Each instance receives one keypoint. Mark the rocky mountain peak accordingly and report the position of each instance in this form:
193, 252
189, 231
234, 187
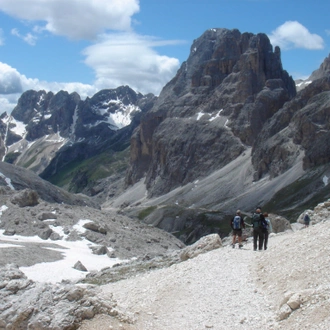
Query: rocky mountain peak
322, 71
30, 103
213, 108
46, 126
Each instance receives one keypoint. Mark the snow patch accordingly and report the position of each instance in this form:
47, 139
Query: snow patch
72, 251
7, 180
79, 226
199, 115
216, 115
19, 127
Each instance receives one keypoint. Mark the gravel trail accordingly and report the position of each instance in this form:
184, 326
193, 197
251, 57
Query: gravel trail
284, 287
216, 290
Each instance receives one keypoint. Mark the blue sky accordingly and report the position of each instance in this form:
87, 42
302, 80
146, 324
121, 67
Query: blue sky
86, 46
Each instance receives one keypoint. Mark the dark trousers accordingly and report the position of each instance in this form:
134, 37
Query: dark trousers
258, 235
266, 233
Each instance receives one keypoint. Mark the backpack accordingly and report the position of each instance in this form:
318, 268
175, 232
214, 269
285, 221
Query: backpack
237, 222
256, 220
267, 224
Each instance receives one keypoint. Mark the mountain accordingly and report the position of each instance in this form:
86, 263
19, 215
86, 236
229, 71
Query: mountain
322, 71
49, 133
211, 111
228, 131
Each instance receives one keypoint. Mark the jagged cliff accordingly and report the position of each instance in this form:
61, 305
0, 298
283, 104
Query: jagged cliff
211, 111
230, 131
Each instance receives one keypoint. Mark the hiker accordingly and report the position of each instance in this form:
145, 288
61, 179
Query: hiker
307, 220
267, 230
258, 223
237, 223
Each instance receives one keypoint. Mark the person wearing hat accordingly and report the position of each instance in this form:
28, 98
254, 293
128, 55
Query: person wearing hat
237, 224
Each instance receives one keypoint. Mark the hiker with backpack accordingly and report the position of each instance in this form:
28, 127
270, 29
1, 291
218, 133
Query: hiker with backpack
237, 223
267, 230
307, 220
259, 224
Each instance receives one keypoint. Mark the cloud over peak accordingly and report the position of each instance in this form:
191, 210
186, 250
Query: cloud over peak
292, 34
76, 19
139, 63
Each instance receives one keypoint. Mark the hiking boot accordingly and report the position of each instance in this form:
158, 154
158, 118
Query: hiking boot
233, 245
240, 246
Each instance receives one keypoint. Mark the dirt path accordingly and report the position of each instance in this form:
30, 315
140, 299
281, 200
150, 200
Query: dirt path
216, 290
232, 289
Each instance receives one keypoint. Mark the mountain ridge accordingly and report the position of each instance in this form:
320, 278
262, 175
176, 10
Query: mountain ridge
228, 132
230, 99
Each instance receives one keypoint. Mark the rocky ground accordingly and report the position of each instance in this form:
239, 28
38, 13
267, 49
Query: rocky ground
207, 285
123, 237
285, 287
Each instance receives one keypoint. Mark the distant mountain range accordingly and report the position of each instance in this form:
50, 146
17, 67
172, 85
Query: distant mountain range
230, 130
47, 132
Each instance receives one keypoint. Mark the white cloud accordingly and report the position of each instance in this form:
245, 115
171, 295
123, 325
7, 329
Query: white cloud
122, 58
28, 38
130, 59
292, 34
8, 102
10, 80
76, 19
13, 84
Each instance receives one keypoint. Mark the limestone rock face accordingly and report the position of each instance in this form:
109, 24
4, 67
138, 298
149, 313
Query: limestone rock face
322, 71
301, 126
215, 106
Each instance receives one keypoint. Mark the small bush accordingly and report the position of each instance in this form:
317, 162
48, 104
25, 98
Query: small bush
144, 213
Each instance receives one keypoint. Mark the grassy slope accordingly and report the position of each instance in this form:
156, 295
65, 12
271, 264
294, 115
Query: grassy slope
80, 174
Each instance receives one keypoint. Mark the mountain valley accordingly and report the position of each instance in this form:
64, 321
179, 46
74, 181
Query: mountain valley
143, 181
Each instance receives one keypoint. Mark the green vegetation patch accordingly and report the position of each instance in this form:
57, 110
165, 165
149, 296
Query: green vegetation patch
30, 161
144, 213
11, 157
80, 174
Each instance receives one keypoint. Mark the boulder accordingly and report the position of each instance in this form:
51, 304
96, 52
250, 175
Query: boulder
9, 232
99, 250
79, 266
46, 215
203, 245
95, 227
279, 224
26, 197
45, 234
